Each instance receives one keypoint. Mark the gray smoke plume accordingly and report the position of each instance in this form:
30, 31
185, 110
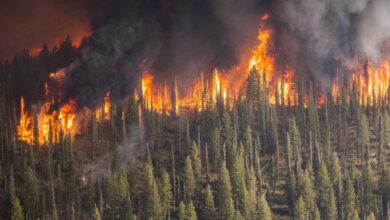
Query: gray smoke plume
318, 37
170, 38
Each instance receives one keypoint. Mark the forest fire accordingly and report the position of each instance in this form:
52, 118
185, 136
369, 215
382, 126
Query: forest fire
44, 127
371, 85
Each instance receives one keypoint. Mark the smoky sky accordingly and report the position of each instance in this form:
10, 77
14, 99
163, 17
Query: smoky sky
27, 24
182, 38
319, 38
170, 38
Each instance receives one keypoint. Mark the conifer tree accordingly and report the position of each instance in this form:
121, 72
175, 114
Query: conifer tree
295, 138
263, 212
132, 117
90, 195
308, 194
182, 211
191, 212
299, 209
189, 179
238, 182
225, 200
349, 203
368, 203
363, 135
288, 152
331, 210
96, 214
324, 189
215, 148
334, 170
153, 207
166, 193
31, 194
209, 207
196, 162
17, 210
291, 189
116, 158
227, 135
252, 191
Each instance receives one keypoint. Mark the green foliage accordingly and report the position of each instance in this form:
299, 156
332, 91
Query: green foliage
349, 200
225, 200
216, 147
189, 179
299, 209
182, 211
263, 212
116, 158
324, 189
308, 193
16, 210
191, 212
239, 186
209, 207
196, 162
153, 208
166, 192
368, 189
96, 214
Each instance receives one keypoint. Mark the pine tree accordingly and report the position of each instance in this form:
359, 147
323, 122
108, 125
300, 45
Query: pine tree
368, 189
252, 191
196, 162
324, 189
349, 200
299, 209
331, 210
263, 212
363, 135
225, 200
209, 207
334, 170
238, 182
291, 189
191, 212
90, 195
295, 138
132, 117
96, 214
152, 203
166, 192
17, 210
215, 148
116, 158
227, 135
182, 211
189, 179
288, 152
31, 193
308, 194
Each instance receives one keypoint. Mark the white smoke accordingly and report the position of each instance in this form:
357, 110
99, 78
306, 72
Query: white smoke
320, 37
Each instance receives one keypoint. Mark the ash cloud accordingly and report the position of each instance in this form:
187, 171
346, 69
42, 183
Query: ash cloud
319, 37
168, 37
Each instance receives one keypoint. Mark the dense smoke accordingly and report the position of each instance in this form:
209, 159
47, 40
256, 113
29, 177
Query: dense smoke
319, 37
167, 37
